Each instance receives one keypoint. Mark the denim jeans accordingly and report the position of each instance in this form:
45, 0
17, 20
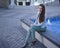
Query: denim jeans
32, 32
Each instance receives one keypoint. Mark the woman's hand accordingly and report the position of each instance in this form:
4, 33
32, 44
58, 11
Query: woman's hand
32, 24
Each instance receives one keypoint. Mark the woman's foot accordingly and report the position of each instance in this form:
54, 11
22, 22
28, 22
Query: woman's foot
25, 45
34, 42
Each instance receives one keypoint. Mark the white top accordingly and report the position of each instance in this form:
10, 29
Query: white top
37, 23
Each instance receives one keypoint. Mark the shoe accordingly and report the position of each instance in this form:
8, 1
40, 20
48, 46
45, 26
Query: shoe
34, 42
25, 45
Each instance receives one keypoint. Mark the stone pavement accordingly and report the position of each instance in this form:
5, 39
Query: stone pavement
12, 35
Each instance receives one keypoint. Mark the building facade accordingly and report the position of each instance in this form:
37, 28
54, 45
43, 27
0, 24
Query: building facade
6, 3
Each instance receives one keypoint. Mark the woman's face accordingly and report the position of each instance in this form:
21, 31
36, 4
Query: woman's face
39, 9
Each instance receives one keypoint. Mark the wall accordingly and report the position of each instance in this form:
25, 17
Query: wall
4, 3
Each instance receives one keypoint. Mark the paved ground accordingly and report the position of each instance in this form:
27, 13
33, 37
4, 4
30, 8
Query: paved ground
12, 34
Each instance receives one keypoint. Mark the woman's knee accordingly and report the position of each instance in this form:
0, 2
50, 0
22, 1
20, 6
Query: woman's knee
33, 27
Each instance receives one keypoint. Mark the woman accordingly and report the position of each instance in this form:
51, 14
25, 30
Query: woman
39, 25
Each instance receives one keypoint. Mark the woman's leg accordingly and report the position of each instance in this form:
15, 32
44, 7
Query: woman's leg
33, 29
28, 35
36, 28
27, 38
31, 32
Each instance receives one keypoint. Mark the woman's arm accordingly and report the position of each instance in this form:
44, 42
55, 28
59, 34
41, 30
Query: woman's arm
36, 21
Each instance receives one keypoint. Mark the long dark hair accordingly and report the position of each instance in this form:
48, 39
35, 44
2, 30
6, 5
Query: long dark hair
42, 14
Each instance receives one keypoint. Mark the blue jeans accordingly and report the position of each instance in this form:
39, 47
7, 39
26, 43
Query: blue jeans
32, 32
